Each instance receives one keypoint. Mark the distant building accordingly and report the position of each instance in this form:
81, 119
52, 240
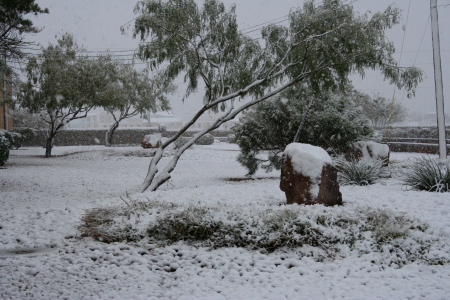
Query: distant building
104, 120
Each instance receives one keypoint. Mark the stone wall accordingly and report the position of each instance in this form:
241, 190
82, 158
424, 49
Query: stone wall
88, 137
414, 132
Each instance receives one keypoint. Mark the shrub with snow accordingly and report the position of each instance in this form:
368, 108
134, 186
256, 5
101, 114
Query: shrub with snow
207, 139
428, 174
316, 231
331, 122
231, 138
5, 145
8, 140
179, 142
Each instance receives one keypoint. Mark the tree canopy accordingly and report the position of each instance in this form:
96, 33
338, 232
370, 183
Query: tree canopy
322, 45
14, 24
380, 111
63, 85
135, 94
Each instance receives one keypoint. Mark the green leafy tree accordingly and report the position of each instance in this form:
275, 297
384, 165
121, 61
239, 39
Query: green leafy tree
380, 111
322, 45
63, 85
329, 121
135, 93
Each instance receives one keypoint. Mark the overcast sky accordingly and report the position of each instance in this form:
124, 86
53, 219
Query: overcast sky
96, 25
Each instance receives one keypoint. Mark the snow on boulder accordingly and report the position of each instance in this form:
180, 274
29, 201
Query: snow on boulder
151, 140
308, 176
368, 150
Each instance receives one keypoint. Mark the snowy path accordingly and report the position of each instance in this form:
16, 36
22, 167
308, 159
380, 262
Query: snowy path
41, 257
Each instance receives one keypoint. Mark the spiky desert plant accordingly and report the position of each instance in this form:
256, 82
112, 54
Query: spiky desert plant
359, 172
428, 174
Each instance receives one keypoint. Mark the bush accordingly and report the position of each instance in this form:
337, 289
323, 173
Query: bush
179, 142
8, 140
427, 174
207, 139
323, 231
231, 138
26, 133
359, 172
5, 145
333, 122
16, 140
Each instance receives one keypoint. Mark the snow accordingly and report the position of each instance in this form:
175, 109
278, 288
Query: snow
309, 161
152, 139
378, 150
42, 255
306, 159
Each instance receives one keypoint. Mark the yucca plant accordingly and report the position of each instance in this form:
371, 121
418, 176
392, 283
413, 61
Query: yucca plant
359, 172
428, 174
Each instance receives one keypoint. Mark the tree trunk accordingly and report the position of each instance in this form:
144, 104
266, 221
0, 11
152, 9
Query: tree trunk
49, 145
110, 133
305, 116
153, 180
154, 183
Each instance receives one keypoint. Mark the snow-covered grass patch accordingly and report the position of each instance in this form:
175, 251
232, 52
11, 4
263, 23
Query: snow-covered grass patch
319, 232
428, 174
360, 172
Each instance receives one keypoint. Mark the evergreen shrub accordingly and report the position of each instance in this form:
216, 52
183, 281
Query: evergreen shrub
207, 139
26, 133
8, 140
332, 122
5, 145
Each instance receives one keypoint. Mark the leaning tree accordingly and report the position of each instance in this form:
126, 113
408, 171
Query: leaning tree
320, 48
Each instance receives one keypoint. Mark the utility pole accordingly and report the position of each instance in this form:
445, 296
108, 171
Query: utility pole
438, 80
4, 91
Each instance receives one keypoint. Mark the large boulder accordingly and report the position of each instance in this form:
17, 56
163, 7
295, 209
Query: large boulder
368, 150
151, 140
308, 176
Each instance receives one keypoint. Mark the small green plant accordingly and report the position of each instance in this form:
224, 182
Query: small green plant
359, 172
428, 174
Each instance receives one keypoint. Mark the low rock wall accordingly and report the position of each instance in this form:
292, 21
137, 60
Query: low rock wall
415, 147
97, 137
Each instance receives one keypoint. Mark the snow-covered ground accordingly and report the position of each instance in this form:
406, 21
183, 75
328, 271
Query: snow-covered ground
42, 257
